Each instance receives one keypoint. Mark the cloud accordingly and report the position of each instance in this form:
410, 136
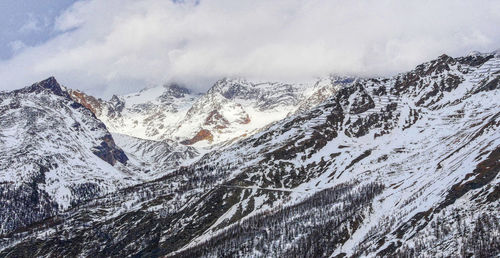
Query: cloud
16, 45
31, 25
118, 46
34, 24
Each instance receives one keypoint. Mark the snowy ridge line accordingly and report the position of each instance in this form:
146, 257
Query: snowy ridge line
231, 109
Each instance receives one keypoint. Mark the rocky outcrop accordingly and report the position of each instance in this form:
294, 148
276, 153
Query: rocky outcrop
109, 152
175, 91
202, 135
216, 120
90, 102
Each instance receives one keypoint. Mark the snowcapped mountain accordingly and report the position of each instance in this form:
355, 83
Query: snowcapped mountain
236, 108
409, 165
54, 154
402, 166
147, 114
231, 109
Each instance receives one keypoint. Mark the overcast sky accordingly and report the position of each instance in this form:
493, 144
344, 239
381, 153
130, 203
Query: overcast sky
118, 46
27, 22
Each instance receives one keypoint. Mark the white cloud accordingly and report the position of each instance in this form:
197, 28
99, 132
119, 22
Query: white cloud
122, 45
16, 45
31, 25
34, 24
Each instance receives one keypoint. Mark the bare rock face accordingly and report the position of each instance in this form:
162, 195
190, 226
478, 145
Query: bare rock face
475, 59
175, 91
109, 152
90, 102
355, 99
216, 120
202, 135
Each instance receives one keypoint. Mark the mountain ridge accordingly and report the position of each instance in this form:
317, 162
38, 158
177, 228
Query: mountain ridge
230, 109
398, 166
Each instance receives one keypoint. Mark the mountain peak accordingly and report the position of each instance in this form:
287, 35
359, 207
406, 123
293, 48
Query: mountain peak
445, 58
176, 90
114, 98
228, 87
49, 84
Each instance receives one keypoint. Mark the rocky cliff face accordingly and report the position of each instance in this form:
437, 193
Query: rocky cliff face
400, 166
87, 101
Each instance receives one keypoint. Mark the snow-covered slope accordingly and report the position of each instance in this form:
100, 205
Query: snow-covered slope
403, 166
425, 143
158, 157
232, 108
237, 108
147, 114
54, 153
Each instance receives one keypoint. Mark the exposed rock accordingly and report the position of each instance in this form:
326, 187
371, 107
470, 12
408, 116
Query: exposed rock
474, 59
109, 152
202, 135
174, 91
87, 101
216, 120
50, 84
